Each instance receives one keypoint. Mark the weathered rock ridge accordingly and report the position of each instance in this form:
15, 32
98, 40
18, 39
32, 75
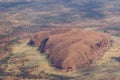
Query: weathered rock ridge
71, 48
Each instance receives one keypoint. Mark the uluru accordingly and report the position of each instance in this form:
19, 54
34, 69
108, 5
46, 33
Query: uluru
71, 48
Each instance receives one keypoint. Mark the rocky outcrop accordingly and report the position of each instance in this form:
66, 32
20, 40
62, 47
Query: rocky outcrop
71, 48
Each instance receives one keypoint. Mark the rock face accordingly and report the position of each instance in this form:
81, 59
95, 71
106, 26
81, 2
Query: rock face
71, 48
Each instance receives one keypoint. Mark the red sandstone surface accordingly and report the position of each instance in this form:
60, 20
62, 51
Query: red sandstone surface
71, 48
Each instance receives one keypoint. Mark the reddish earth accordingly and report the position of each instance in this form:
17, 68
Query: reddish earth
71, 48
